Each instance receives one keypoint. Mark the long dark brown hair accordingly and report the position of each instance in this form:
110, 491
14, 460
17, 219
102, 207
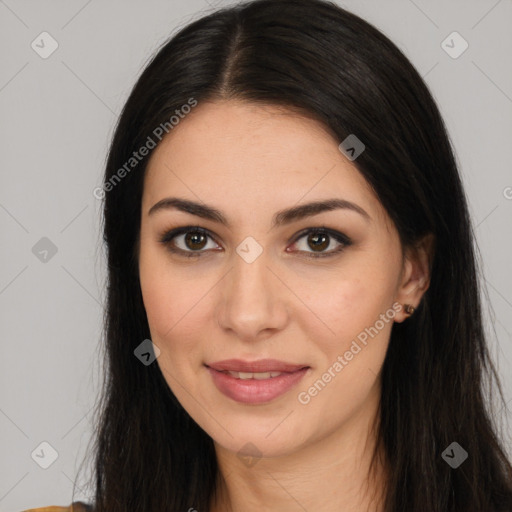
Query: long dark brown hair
316, 58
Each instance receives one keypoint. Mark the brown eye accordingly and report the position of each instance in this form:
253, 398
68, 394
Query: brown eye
188, 241
192, 241
195, 240
319, 239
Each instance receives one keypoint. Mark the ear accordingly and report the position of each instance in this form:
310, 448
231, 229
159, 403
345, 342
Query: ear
415, 275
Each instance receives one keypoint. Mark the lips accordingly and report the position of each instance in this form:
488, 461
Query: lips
255, 382
261, 366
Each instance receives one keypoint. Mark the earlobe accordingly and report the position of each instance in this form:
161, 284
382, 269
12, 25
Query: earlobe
409, 309
416, 276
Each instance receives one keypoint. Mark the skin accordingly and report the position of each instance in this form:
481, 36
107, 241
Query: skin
251, 161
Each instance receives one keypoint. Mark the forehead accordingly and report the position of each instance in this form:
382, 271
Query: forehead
253, 154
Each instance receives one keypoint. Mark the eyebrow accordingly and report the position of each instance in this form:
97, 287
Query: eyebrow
282, 217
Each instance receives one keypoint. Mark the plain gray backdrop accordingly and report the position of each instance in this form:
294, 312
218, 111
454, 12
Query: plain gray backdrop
58, 112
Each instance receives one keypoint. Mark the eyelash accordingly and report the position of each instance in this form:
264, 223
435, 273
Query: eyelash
168, 236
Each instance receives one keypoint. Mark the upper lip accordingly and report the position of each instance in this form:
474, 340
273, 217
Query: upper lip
262, 365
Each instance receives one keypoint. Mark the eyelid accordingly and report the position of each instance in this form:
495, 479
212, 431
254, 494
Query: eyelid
167, 237
342, 239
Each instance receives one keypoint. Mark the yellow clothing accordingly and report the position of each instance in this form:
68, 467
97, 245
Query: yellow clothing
76, 506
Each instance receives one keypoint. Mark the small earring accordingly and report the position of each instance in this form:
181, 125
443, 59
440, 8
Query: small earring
409, 309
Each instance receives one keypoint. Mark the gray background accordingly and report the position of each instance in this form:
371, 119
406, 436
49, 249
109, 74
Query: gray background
57, 116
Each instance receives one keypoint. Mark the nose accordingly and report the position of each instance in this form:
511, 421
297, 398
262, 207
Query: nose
253, 302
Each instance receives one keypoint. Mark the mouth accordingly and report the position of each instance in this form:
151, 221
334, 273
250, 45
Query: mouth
261, 366
252, 375
255, 382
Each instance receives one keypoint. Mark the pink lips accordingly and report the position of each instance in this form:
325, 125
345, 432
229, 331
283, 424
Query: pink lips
255, 391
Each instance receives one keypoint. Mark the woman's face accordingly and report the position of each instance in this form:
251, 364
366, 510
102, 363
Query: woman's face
252, 288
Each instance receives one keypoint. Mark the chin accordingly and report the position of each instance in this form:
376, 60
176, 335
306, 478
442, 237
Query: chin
258, 446
250, 436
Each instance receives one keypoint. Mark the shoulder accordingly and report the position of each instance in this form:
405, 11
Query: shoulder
76, 506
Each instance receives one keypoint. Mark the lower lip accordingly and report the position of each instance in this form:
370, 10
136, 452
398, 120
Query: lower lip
253, 391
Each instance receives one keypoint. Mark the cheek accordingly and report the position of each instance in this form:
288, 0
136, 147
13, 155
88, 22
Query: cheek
343, 306
350, 351
155, 294
175, 304
160, 290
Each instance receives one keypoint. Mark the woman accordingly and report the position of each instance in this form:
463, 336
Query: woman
293, 317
